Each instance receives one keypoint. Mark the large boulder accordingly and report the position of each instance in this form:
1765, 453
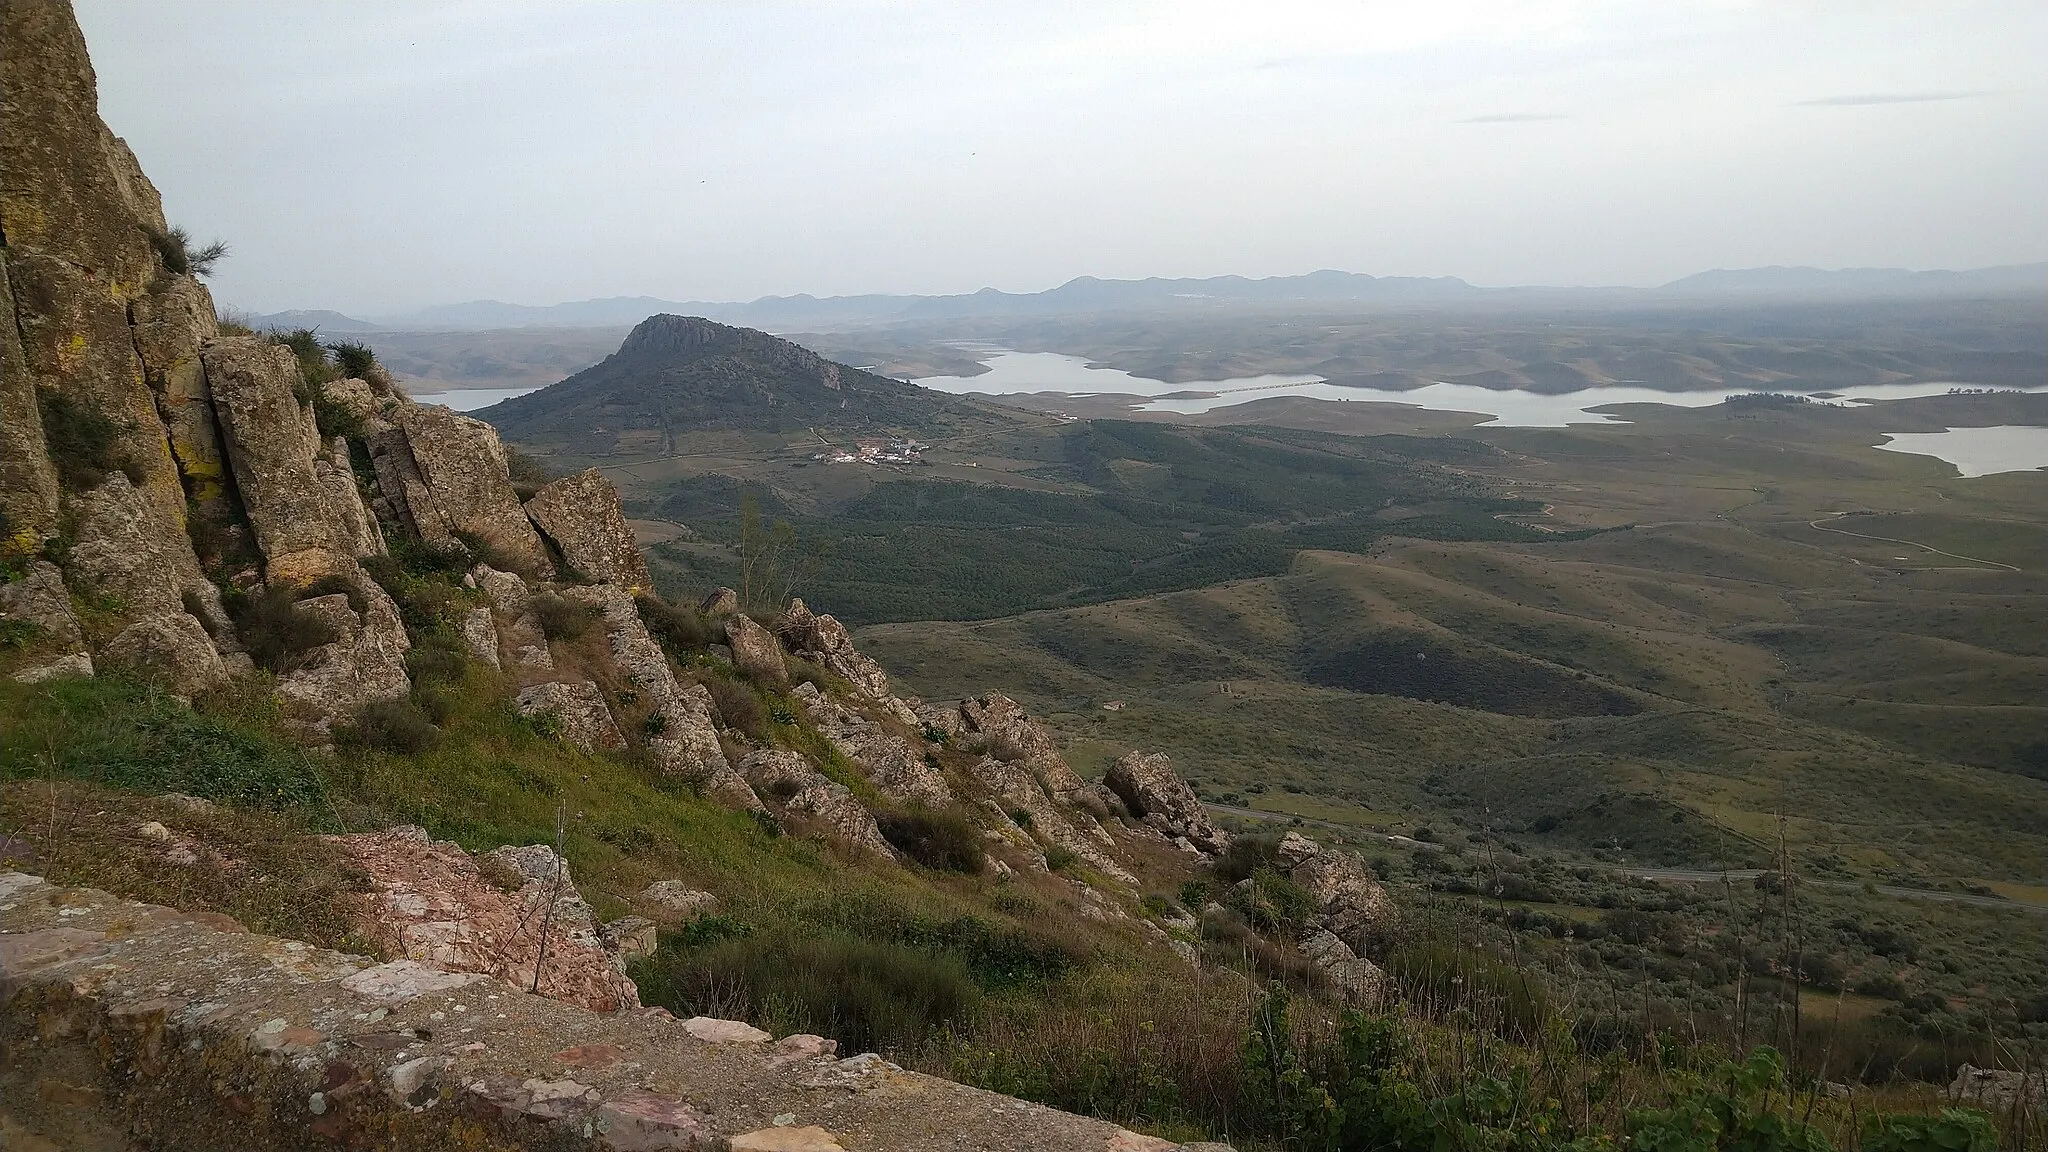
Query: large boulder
581, 514
800, 790
755, 651
1016, 789
272, 445
824, 640
1155, 793
463, 478
171, 647
39, 600
578, 710
1359, 980
1350, 903
524, 923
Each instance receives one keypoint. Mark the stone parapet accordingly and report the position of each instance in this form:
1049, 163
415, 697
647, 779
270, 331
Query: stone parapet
127, 1025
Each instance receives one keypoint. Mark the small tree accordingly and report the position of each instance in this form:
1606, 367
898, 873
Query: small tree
175, 248
774, 560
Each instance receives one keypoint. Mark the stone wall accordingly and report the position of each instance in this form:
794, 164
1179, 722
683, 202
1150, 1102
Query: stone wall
129, 1026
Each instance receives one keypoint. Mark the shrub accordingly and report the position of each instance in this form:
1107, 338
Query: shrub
276, 633
528, 474
1954, 1130
870, 995
354, 359
314, 367
174, 248
84, 443
560, 617
437, 657
1442, 978
333, 418
394, 726
739, 707
681, 629
946, 841
1058, 859
1246, 855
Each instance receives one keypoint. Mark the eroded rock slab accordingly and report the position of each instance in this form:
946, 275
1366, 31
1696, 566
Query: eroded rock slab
1156, 794
581, 514
578, 709
824, 640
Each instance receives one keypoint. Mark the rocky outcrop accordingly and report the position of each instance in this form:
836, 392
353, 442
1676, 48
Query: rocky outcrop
525, 644
1350, 903
721, 602
39, 600
2000, 1092
171, 324
1153, 792
480, 635
272, 445
755, 651
683, 741
170, 647
578, 711
675, 901
365, 663
429, 901
581, 515
824, 641
1358, 980
896, 766
139, 1026
462, 483
28, 479
788, 780
1015, 788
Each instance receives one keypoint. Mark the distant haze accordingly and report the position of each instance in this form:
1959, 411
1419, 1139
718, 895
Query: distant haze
374, 157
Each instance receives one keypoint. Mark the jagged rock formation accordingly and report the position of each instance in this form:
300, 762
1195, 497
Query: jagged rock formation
897, 769
824, 641
1350, 904
1151, 791
526, 647
581, 514
755, 650
788, 780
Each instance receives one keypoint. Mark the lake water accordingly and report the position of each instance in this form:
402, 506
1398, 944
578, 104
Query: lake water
471, 399
1978, 451
1013, 373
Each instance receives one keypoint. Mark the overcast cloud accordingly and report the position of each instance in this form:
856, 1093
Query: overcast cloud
373, 156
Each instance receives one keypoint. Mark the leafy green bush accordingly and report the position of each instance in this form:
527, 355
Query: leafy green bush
944, 840
1954, 1130
1728, 1108
84, 443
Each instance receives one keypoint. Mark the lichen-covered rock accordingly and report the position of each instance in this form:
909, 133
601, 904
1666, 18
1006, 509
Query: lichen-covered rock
824, 640
630, 937
755, 651
355, 526
1349, 902
404, 495
721, 602
1015, 787
789, 780
428, 901
480, 636
462, 465
39, 599
77, 665
578, 708
272, 445
171, 323
170, 646
684, 741
524, 641
28, 478
1007, 731
366, 663
896, 766
121, 548
581, 514
1295, 850
1359, 980
1156, 794
352, 396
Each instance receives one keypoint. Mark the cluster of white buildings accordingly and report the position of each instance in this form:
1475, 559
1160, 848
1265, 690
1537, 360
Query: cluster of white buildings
876, 452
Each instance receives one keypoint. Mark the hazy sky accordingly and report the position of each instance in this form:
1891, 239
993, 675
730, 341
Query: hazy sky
373, 156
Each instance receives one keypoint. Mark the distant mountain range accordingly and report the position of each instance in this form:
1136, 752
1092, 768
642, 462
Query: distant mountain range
1089, 294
